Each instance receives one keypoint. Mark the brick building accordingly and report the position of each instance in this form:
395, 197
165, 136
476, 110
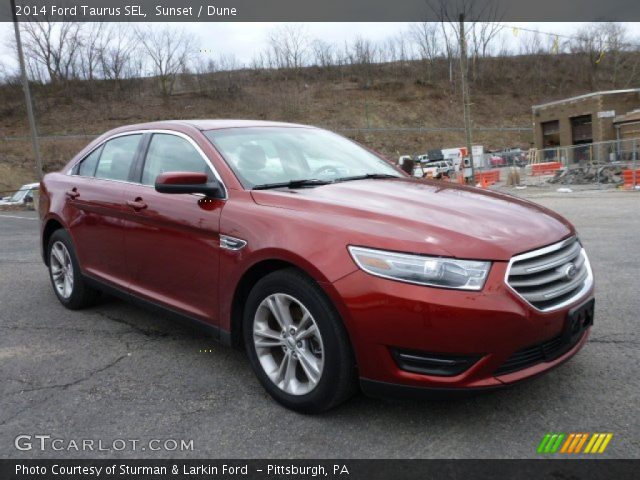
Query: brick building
627, 125
583, 119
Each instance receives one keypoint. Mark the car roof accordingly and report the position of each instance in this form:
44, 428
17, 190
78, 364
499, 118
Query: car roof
30, 186
213, 124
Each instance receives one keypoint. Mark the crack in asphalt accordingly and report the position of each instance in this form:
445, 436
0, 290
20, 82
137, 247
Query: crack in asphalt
13, 379
147, 332
63, 329
25, 409
64, 386
606, 340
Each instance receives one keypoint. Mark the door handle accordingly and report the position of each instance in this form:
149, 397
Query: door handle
73, 193
137, 204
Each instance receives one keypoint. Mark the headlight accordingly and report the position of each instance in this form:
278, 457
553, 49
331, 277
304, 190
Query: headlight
433, 271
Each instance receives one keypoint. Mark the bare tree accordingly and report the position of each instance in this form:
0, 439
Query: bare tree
362, 54
228, 62
169, 51
362, 51
451, 47
394, 49
116, 53
482, 35
530, 44
51, 47
534, 56
8, 76
403, 47
258, 61
589, 44
91, 44
619, 54
606, 47
426, 36
288, 46
323, 53
479, 35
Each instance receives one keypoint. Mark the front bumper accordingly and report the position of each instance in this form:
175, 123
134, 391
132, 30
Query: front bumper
492, 325
375, 388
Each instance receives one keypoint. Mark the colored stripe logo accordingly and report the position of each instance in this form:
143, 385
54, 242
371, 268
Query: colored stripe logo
573, 443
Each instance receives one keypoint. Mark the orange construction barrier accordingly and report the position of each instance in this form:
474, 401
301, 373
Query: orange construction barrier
629, 179
487, 178
545, 168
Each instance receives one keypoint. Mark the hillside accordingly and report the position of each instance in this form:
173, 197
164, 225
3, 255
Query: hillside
340, 98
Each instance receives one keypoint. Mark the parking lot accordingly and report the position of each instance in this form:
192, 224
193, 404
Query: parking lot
116, 371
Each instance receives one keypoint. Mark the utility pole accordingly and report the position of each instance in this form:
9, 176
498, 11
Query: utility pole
27, 93
466, 101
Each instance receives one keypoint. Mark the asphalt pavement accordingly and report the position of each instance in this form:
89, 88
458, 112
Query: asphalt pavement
116, 374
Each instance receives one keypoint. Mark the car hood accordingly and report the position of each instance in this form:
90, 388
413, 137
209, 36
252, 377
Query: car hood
427, 217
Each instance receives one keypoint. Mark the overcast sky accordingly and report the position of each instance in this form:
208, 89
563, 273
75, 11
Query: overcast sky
244, 40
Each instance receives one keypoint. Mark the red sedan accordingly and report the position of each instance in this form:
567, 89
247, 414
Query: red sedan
332, 268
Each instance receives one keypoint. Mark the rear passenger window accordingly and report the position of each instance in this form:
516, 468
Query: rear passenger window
88, 165
170, 153
117, 157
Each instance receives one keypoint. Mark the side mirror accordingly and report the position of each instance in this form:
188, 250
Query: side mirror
187, 182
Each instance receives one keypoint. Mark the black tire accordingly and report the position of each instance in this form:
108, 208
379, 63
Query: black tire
338, 380
82, 295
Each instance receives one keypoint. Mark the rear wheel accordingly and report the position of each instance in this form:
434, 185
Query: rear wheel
64, 271
297, 344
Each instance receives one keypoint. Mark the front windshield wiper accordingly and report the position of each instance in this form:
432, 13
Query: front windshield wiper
366, 176
312, 182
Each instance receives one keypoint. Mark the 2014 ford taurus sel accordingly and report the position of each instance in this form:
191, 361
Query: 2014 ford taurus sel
327, 264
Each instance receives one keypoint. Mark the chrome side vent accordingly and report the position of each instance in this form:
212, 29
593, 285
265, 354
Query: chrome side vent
232, 243
551, 277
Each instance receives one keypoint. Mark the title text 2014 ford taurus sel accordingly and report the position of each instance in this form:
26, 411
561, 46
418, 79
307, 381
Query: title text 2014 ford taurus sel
325, 262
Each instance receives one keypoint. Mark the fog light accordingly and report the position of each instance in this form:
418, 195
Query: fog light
432, 363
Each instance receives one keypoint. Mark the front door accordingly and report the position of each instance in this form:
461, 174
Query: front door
172, 240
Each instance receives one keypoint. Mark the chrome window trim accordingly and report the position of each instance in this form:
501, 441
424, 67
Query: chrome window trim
588, 282
70, 170
138, 132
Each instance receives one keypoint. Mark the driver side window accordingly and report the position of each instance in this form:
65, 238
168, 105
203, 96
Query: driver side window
170, 153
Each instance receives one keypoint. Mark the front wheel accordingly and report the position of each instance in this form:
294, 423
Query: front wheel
297, 344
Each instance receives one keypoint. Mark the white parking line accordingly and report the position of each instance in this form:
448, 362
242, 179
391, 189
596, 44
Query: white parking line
16, 216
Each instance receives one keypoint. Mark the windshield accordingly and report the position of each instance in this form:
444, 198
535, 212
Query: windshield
274, 155
19, 195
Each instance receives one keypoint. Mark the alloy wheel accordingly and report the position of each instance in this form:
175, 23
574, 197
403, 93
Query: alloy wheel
61, 269
288, 344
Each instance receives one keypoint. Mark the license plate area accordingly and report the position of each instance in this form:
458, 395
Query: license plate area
578, 320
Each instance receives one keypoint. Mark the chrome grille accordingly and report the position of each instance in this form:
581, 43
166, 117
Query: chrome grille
551, 277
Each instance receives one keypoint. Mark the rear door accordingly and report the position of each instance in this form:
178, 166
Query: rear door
172, 242
94, 200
